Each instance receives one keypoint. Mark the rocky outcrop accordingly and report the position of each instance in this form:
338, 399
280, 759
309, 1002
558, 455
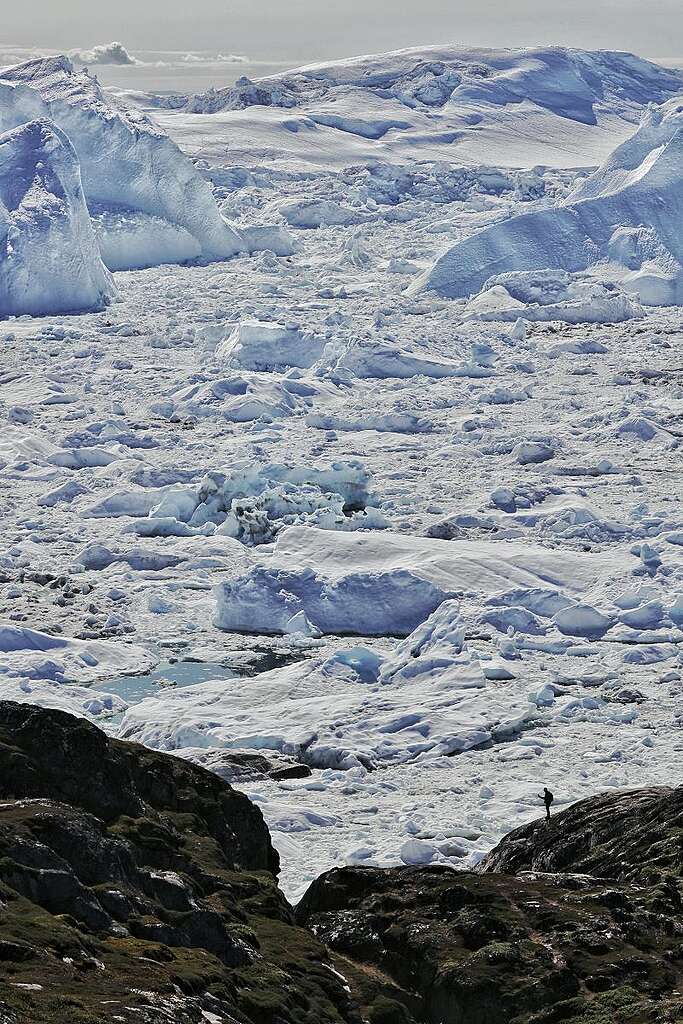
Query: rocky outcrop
50, 754
241, 766
135, 886
628, 834
577, 920
437, 946
138, 887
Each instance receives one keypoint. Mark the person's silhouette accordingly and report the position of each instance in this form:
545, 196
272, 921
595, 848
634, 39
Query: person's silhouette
547, 799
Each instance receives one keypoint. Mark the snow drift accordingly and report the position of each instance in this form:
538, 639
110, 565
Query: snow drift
630, 212
128, 165
49, 259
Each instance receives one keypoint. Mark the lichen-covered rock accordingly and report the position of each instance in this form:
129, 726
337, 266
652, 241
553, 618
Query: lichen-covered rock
50, 754
436, 946
135, 886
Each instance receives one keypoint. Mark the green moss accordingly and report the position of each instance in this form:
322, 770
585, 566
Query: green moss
388, 1011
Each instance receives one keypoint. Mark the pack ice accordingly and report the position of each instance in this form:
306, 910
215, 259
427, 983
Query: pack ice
624, 222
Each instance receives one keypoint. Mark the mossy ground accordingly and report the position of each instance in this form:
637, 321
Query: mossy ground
456, 948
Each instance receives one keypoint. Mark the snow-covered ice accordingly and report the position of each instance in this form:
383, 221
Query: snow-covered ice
430, 546
252, 345
148, 203
506, 107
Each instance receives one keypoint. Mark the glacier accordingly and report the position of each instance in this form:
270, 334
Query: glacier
507, 107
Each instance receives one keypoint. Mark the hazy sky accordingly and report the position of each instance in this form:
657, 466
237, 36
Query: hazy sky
312, 29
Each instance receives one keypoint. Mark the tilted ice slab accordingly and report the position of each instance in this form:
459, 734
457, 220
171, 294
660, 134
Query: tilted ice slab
49, 259
129, 167
629, 211
370, 584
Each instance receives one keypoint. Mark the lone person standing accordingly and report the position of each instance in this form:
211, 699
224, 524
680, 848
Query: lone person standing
547, 799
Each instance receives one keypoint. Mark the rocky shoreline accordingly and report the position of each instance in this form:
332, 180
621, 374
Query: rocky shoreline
135, 886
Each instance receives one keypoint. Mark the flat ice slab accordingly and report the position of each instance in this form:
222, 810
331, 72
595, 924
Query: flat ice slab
378, 584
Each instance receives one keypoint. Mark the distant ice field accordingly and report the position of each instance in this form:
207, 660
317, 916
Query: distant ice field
165, 70
366, 457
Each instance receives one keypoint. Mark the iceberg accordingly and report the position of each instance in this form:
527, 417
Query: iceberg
128, 166
49, 259
629, 212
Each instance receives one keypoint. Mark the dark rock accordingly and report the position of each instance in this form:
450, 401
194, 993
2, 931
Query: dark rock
436, 946
137, 887
628, 834
293, 771
51, 754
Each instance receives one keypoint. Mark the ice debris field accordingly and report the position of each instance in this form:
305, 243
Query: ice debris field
340, 433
